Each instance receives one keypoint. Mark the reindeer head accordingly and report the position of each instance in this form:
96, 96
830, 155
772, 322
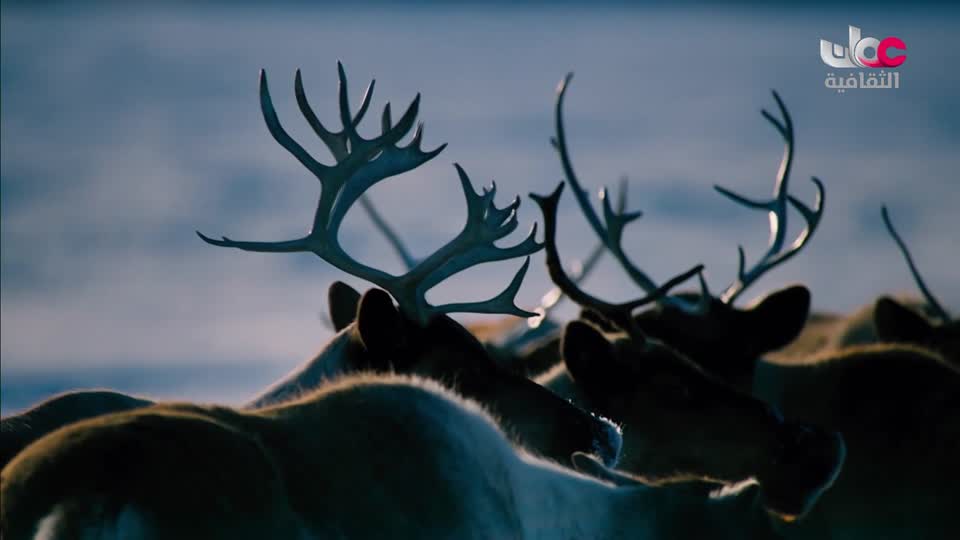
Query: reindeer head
415, 336
897, 323
723, 339
679, 419
727, 340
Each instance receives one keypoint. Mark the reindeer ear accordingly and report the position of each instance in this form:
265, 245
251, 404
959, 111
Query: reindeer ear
343, 301
896, 323
379, 322
778, 318
589, 357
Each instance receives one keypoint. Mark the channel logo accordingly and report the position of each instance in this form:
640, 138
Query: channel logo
886, 53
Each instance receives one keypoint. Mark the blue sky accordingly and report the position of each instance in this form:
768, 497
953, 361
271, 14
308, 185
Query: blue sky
124, 129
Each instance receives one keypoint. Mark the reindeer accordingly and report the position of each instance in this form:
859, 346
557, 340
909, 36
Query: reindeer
897, 323
702, 325
412, 337
610, 365
365, 456
699, 325
919, 321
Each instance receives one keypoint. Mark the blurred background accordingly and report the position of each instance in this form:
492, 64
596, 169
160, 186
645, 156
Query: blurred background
127, 126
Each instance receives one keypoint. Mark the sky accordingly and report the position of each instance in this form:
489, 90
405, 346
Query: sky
125, 128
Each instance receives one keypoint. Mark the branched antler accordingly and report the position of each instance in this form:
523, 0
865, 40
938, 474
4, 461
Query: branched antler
777, 208
620, 314
938, 309
610, 231
523, 332
360, 164
580, 270
535, 328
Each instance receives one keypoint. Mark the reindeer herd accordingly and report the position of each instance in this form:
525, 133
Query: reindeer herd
670, 415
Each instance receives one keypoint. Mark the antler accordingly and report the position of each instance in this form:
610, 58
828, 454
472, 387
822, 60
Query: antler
937, 308
777, 208
360, 164
580, 270
610, 231
619, 314
536, 327
521, 333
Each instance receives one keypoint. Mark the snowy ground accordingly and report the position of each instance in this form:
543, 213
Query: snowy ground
124, 129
